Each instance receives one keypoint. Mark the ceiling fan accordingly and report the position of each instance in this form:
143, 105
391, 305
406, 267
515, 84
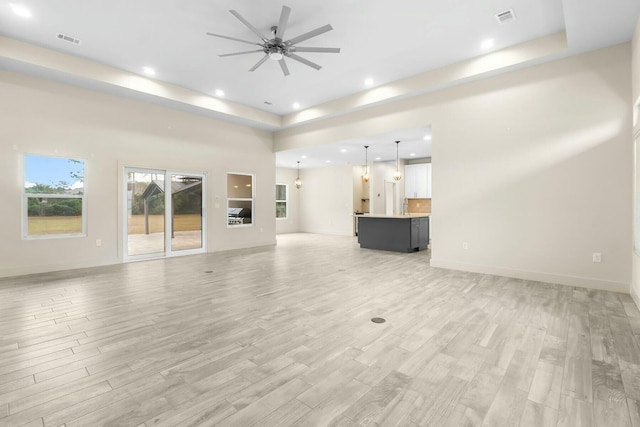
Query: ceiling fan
276, 47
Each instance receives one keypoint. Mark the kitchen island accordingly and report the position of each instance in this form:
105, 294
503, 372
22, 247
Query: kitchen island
399, 233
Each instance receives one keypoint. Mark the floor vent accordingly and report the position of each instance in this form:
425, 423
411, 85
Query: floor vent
69, 39
506, 16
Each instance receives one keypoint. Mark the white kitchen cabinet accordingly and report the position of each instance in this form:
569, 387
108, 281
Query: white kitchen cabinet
411, 180
428, 194
417, 184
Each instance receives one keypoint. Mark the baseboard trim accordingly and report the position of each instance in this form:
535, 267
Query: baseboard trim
581, 282
635, 297
28, 270
328, 232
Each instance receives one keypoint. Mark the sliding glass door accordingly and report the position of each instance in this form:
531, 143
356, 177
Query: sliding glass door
186, 212
164, 213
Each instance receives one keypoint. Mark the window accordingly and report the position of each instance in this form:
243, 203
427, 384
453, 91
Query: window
281, 201
54, 199
239, 199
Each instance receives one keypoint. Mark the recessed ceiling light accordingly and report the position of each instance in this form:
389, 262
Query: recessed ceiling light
328, 161
296, 105
427, 138
344, 150
149, 71
488, 44
412, 154
303, 156
20, 10
378, 158
368, 82
219, 92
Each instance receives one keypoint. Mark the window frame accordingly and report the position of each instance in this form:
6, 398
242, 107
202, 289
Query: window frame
242, 199
26, 196
285, 201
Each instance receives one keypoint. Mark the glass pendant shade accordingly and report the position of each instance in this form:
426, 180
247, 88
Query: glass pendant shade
397, 175
365, 176
298, 181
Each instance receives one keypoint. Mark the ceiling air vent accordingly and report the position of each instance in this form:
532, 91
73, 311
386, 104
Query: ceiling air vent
69, 39
506, 16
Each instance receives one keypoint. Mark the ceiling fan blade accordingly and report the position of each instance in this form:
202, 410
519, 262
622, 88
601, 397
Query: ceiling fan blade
259, 63
248, 25
240, 53
316, 49
282, 24
283, 65
304, 61
310, 34
233, 38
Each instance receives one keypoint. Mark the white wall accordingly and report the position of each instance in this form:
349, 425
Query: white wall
292, 223
532, 168
46, 118
358, 187
635, 60
326, 200
635, 285
382, 172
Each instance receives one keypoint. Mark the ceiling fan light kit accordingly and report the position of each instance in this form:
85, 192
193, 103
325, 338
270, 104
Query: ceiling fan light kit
276, 47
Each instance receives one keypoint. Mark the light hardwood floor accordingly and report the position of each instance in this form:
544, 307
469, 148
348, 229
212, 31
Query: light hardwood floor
282, 336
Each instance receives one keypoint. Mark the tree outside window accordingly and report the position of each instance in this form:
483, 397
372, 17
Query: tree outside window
54, 197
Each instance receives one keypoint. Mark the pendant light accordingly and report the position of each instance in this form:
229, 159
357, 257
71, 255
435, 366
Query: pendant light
397, 175
365, 177
298, 181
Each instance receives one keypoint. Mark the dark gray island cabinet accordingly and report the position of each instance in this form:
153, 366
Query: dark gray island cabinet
399, 233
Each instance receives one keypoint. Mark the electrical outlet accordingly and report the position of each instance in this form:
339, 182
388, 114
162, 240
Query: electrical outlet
597, 257
465, 245
98, 242
417, 205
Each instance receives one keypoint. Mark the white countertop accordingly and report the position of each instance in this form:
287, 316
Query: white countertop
412, 215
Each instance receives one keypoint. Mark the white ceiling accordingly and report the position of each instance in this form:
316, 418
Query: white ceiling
379, 39
414, 143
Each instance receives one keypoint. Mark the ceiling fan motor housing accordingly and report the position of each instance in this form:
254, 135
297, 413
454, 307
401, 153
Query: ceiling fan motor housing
275, 50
